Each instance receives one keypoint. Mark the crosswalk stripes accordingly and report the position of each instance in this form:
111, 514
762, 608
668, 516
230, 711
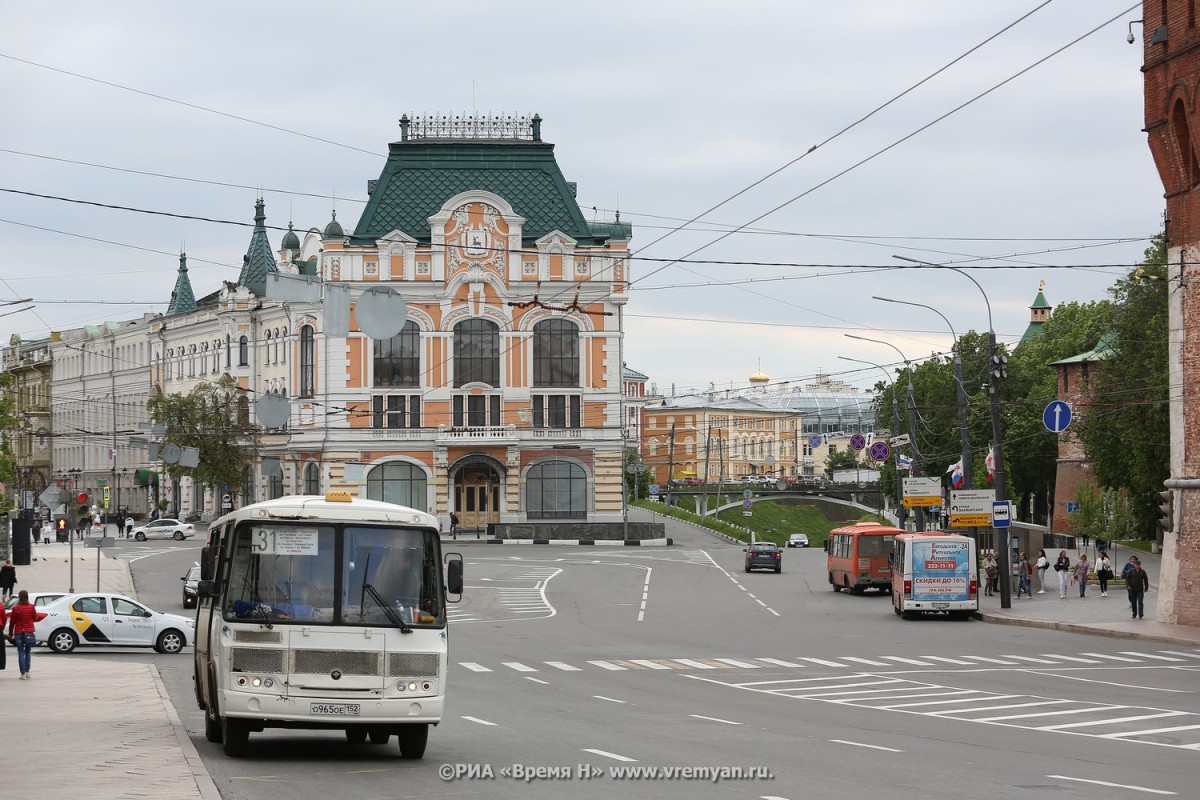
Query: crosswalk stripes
882, 663
1135, 724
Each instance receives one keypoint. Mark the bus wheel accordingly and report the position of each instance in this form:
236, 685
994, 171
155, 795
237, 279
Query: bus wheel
356, 735
836, 588
212, 722
412, 739
908, 615
235, 735
212, 728
846, 582
895, 608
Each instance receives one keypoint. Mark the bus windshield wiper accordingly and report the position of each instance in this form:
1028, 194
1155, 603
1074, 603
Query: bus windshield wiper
392, 614
261, 610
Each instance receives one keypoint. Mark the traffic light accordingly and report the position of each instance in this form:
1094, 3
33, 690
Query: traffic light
60, 524
1165, 513
999, 367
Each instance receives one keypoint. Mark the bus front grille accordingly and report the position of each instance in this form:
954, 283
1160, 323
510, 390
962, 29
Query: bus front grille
348, 662
247, 659
412, 665
258, 637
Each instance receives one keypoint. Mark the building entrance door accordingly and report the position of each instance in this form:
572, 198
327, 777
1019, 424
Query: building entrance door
477, 498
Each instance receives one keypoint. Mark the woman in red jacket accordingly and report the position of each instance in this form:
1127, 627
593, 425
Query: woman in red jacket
3, 644
21, 618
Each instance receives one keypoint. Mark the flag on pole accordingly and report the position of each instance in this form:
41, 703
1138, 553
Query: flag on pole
903, 461
956, 474
991, 463
111, 454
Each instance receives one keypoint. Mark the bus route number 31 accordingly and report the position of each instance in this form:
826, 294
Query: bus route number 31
284, 541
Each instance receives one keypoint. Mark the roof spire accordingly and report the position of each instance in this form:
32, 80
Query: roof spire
259, 259
182, 297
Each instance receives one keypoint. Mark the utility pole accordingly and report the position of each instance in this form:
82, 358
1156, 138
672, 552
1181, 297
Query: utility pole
670, 466
999, 371
707, 448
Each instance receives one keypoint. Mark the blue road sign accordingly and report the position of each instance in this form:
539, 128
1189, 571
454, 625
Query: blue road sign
1057, 416
1072, 506
814, 441
1001, 514
880, 451
858, 441
654, 488
747, 504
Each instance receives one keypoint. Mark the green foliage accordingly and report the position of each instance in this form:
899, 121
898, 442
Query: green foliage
10, 426
1126, 431
840, 459
1105, 515
774, 521
640, 481
207, 418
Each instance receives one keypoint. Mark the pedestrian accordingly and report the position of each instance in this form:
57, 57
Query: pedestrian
8, 579
3, 638
1062, 565
1128, 568
1104, 572
1043, 564
991, 573
1082, 570
21, 619
1137, 583
453, 525
128, 526
1024, 574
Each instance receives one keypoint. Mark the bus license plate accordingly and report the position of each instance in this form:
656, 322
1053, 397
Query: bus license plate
935, 605
334, 709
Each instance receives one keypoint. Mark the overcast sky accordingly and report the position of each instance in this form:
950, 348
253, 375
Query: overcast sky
661, 110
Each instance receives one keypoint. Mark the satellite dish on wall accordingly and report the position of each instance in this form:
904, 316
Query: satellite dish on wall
381, 313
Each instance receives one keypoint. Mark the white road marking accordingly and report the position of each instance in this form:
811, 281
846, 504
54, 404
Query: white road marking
1106, 783
1030, 659
912, 661
537, 680
563, 667
866, 661
1114, 658
607, 665
687, 662
607, 754
715, 719
860, 744
479, 721
608, 699
957, 661
1110, 721
822, 662
518, 666
733, 662
987, 660
1178, 653
780, 663
642, 662
471, 665
1071, 658
1150, 655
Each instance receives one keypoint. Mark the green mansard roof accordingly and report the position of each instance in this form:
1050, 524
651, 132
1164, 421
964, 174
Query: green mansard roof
421, 174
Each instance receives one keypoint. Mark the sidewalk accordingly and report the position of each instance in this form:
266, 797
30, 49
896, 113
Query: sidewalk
111, 721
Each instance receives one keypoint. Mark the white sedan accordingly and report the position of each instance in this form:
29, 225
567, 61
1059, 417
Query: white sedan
105, 619
165, 529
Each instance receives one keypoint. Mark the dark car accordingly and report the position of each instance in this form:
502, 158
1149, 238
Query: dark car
190, 580
764, 555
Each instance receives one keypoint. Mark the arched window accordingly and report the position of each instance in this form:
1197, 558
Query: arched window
398, 482
275, 486
555, 353
243, 410
476, 352
247, 485
308, 374
283, 349
398, 359
312, 479
556, 490
243, 352
267, 347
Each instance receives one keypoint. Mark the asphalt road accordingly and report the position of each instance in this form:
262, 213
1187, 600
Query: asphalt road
577, 661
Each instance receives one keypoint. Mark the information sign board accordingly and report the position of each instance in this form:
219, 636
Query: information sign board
922, 492
971, 507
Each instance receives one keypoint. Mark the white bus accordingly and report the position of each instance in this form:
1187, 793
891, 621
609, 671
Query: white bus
323, 612
934, 572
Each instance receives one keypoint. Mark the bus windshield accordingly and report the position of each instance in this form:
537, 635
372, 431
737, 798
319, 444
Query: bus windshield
334, 574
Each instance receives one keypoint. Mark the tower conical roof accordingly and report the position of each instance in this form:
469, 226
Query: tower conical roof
259, 258
182, 297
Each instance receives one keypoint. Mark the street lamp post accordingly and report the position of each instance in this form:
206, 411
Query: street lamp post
900, 510
912, 414
961, 393
998, 371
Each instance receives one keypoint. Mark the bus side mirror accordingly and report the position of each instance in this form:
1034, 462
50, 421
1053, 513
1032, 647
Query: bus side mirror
206, 563
206, 589
825, 546
454, 576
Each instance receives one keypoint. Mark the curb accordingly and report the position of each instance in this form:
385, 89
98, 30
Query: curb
1078, 627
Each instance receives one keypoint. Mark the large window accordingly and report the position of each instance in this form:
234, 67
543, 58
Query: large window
398, 360
312, 479
400, 483
476, 410
556, 490
396, 411
243, 352
556, 411
555, 353
308, 372
476, 352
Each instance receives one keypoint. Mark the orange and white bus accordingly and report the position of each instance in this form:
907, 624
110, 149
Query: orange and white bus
859, 557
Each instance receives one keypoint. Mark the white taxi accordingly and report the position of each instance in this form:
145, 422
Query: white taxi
110, 620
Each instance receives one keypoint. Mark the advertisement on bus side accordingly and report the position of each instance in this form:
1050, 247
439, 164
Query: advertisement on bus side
941, 569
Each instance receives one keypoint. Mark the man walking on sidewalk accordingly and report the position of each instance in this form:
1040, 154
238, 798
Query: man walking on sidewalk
1137, 583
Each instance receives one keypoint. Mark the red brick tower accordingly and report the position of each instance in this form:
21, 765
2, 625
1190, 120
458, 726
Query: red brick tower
1171, 72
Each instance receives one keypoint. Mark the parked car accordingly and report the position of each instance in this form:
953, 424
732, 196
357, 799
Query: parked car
165, 529
797, 540
764, 555
190, 580
106, 619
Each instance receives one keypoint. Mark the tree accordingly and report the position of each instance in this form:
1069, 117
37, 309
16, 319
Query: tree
1127, 430
213, 418
9, 427
840, 459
